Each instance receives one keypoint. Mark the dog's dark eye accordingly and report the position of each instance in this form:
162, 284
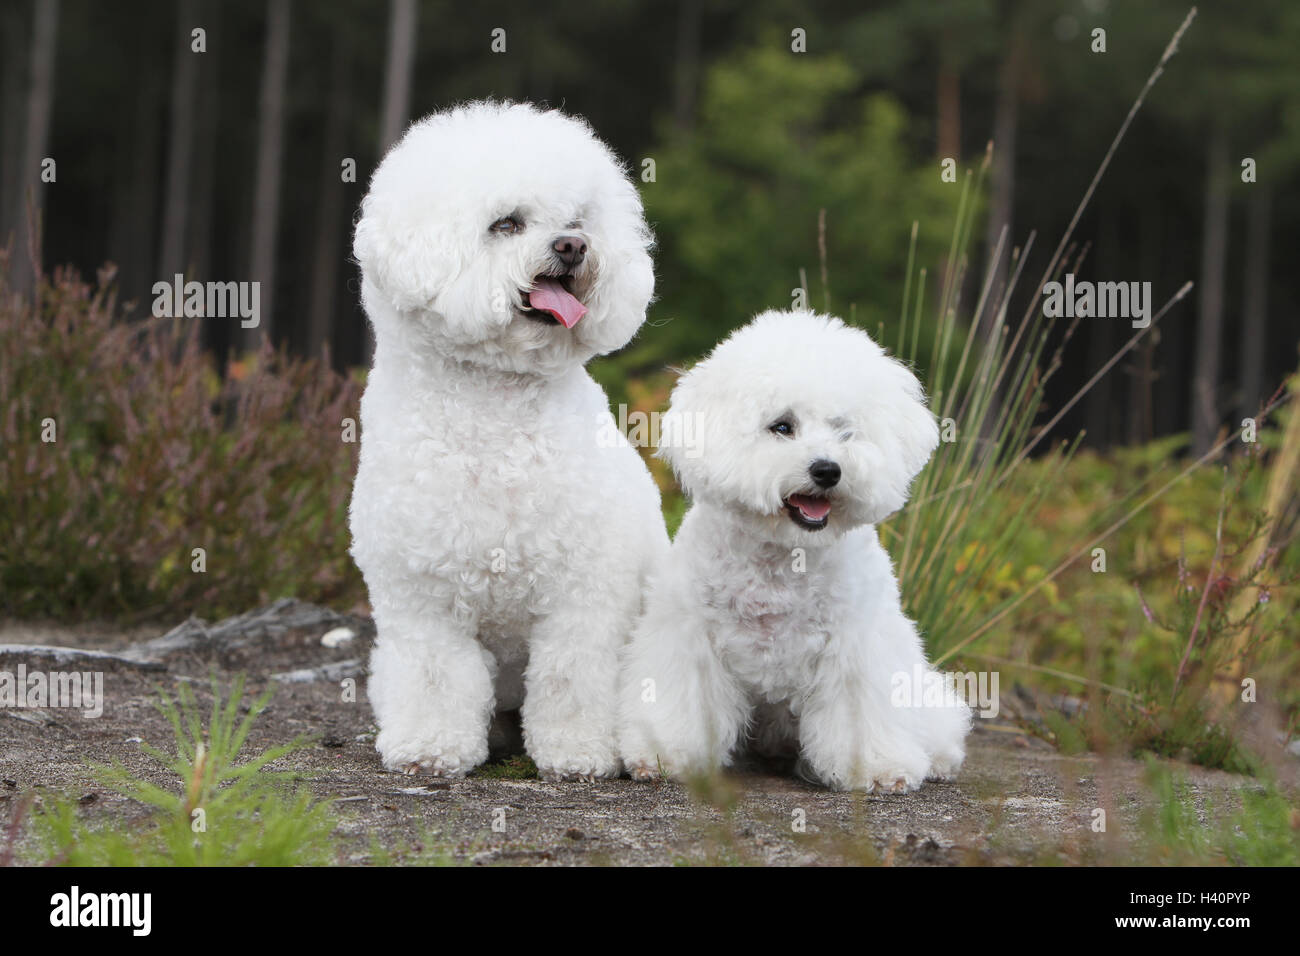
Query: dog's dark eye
507, 225
784, 428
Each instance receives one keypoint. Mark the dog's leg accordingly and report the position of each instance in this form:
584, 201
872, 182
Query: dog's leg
942, 731
933, 716
569, 692
852, 734
431, 688
681, 712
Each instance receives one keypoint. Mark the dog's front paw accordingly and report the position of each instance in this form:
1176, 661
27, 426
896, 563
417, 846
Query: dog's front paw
644, 771
870, 774
567, 747
449, 760
890, 783
584, 764
441, 767
679, 766
946, 764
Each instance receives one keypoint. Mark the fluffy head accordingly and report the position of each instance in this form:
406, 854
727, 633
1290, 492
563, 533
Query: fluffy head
480, 206
801, 426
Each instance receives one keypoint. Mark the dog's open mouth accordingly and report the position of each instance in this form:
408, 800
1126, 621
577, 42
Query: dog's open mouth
551, 299
808, 511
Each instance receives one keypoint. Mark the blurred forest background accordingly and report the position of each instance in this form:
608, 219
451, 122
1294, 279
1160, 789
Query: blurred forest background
225, 165
156, 468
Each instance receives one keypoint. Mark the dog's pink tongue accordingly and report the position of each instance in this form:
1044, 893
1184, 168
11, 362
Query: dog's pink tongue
549, 296
814, 508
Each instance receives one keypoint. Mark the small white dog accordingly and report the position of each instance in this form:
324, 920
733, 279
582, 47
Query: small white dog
776, 621
504, 539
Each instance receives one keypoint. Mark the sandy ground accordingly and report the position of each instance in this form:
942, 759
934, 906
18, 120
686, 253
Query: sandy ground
1016, 801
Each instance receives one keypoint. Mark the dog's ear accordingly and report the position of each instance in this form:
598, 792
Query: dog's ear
403, 257
678, 442
697, 420
914, 428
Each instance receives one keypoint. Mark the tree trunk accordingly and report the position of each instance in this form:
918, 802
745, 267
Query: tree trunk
135, 198
180, 146
1101, 337
1005, 122
686, 73
1141, 404
326, 261
1254, 312
199, 243
13, 92
266, 194
949, 132
1209, 327
401, 65
36, 137
542, 52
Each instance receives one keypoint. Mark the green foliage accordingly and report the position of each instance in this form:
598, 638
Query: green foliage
157, 455
1263, 831
985, 376
215, 811
779, 139
1195, 595
516, 767
674, 510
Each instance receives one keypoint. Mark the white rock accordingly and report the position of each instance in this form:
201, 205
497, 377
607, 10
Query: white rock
338, 637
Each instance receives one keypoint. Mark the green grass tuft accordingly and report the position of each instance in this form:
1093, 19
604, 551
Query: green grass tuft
212, 810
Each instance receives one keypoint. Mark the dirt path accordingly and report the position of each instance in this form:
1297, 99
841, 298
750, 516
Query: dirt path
1017, 800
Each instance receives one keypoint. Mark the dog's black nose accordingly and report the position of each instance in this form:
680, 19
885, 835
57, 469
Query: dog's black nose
570, 249
825, 473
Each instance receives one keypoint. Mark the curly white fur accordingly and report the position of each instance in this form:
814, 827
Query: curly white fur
504, 540
760, 629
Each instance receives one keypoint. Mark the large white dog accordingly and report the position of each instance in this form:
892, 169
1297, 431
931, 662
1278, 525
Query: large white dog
777, 622
504, 539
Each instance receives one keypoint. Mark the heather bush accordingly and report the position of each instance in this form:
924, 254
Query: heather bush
126, 449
